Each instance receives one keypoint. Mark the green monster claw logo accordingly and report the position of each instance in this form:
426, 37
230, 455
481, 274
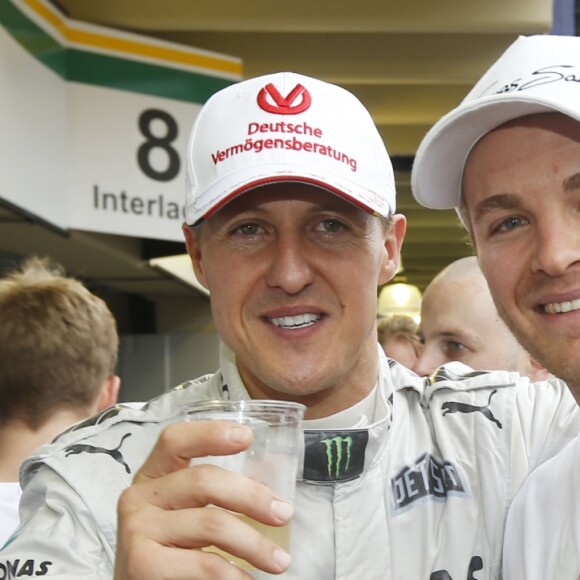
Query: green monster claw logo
334, 454
331, 455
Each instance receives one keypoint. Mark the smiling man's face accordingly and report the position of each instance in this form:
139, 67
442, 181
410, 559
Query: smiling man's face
521, 195
293, 272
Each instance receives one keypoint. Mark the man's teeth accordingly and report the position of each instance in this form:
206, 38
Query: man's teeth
557, 307
299, 321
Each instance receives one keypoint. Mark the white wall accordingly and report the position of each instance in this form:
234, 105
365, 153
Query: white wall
150, 364
185, 347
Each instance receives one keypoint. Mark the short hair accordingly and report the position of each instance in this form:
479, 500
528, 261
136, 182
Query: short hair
58, 343
397, 326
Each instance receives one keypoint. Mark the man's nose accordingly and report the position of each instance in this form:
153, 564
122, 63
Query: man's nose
427, 361
557, 247
290, 268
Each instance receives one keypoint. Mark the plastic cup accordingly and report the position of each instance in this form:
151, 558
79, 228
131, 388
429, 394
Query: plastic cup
272, 458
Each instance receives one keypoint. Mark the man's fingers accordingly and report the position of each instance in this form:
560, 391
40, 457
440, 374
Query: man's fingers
240, 539
175, 507
203, 485
178, 443
150, 561
196, 528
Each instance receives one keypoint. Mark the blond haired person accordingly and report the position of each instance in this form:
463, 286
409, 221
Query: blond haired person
397, 334
58, 350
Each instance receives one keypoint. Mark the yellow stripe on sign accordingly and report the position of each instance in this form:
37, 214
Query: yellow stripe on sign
50, 16
144, 49
128, 46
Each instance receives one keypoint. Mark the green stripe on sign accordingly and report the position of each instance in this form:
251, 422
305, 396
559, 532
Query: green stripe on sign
32, 38
105, 70
140, 77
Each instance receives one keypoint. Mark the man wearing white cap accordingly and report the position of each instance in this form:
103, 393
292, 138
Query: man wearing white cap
508, 159
290, 224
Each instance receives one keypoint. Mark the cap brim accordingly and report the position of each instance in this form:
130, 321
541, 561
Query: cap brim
440, 159
286, 179
243, 181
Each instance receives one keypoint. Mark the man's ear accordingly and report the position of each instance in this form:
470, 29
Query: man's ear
109, 394
393, 243
194, 251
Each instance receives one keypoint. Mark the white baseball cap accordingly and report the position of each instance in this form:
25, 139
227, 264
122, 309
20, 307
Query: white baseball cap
286, 127
536, 74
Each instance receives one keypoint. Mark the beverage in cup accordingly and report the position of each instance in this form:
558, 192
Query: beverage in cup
272, 458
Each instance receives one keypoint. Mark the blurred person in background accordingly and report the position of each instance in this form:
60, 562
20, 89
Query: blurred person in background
397, 334
459, 322
58, 351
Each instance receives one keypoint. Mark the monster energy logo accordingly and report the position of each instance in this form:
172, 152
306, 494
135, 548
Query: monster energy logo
334, 455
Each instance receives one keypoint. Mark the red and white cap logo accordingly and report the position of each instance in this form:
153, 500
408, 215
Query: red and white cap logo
297, 101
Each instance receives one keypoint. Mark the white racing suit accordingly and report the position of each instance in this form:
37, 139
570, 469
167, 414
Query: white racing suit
419, 494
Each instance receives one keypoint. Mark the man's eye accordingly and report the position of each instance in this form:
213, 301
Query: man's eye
248, 229
510, 224
455, 347
331, 226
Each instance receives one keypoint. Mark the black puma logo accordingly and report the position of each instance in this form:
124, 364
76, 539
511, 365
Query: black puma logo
475, 565
456, 407
114, 453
